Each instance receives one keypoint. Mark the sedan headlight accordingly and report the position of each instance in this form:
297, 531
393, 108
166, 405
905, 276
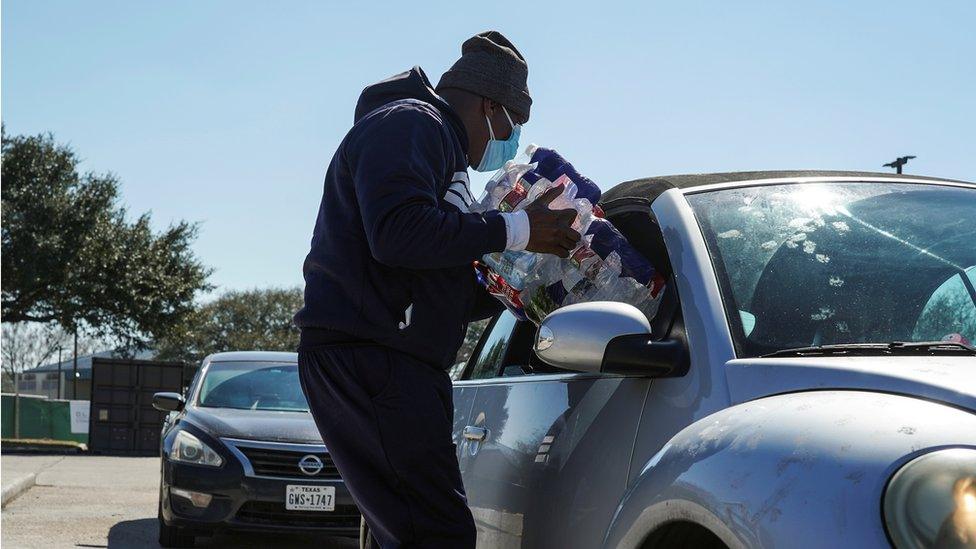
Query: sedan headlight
189, 449
931, 501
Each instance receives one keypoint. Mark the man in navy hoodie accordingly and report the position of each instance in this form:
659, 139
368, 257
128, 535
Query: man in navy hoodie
389, 285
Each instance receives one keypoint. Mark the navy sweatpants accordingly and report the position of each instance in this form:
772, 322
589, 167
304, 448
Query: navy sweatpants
386, 419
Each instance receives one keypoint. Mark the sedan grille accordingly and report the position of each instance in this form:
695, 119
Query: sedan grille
268, 513
285, 463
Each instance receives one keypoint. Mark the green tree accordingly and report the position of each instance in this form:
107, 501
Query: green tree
72, 256
252, 320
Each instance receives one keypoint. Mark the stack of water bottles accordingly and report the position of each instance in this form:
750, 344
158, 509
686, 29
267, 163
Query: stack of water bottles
603, 266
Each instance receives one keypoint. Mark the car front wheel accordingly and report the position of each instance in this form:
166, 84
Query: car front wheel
366, 539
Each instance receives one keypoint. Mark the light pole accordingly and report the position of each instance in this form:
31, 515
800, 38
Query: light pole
59, 373
74, 377
16, 404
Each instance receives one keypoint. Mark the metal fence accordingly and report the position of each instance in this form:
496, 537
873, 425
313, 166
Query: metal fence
37, 417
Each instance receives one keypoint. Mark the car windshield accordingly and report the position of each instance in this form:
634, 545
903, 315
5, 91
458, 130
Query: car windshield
813, 264
252, 386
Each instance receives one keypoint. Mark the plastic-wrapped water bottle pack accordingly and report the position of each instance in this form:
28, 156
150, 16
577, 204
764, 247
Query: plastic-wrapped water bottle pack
603, 266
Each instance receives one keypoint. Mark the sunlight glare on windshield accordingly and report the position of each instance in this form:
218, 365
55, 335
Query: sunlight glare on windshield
816, 199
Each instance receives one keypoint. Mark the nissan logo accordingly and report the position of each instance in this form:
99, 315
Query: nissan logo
310, 465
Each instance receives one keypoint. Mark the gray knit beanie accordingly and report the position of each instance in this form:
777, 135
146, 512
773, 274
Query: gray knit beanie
491, 67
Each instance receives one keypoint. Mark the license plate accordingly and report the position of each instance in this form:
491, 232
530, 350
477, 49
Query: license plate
309, 498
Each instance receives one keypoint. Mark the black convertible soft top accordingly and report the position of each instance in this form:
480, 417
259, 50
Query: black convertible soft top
650, 188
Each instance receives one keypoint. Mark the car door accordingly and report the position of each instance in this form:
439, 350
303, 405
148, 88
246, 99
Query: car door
484, 356
544, 453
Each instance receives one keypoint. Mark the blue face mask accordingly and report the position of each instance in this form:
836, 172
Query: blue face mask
498, 152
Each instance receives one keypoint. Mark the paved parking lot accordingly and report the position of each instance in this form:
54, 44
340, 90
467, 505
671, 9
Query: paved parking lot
100, 501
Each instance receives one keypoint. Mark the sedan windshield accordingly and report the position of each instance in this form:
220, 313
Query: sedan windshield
252, 386
814, 264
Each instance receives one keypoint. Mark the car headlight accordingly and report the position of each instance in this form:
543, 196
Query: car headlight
931, 501
189, 449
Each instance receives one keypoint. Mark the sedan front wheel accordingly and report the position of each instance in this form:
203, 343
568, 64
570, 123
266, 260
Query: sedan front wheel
366, 540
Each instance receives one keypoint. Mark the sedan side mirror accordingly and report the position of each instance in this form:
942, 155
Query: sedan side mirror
168, 402
609, 337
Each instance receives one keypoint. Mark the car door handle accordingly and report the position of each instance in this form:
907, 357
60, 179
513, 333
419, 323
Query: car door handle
475, 433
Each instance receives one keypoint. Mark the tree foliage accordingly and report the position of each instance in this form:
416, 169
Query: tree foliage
252, 320
72, 256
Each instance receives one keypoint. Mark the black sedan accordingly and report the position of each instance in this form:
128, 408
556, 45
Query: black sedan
242, 452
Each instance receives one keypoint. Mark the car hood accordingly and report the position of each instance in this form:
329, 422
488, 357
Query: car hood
256, 424
951, 380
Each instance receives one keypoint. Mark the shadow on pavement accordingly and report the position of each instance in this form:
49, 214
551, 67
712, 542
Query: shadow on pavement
133, 533
142, 533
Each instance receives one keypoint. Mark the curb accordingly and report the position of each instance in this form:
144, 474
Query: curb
41, 446
17, 487
41, 451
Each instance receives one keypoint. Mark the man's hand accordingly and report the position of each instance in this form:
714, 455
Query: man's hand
550, 231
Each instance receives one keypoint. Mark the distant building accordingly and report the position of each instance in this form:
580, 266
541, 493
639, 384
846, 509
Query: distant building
43, 380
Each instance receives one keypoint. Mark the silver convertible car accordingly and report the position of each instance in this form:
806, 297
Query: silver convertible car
809, 379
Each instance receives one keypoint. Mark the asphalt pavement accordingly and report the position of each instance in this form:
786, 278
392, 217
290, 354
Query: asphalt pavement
101, 501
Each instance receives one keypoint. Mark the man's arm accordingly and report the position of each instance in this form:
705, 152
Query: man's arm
397, 167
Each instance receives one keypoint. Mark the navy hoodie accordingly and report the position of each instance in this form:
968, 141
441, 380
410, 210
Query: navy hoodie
391, 253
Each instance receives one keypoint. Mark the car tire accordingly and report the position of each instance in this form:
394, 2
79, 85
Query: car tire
172, 536
682, 534
366, 539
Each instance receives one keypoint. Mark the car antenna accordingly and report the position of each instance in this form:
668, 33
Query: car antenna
898, 163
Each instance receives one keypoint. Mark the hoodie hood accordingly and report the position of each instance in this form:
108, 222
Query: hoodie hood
412, 84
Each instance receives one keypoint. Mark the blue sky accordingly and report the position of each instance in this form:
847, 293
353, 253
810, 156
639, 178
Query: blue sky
227, 113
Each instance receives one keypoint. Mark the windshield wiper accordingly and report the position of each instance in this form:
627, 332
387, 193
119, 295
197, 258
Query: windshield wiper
912, 348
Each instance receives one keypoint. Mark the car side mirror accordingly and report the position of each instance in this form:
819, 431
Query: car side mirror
609, 337
168, 402
638, 354
575, 337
